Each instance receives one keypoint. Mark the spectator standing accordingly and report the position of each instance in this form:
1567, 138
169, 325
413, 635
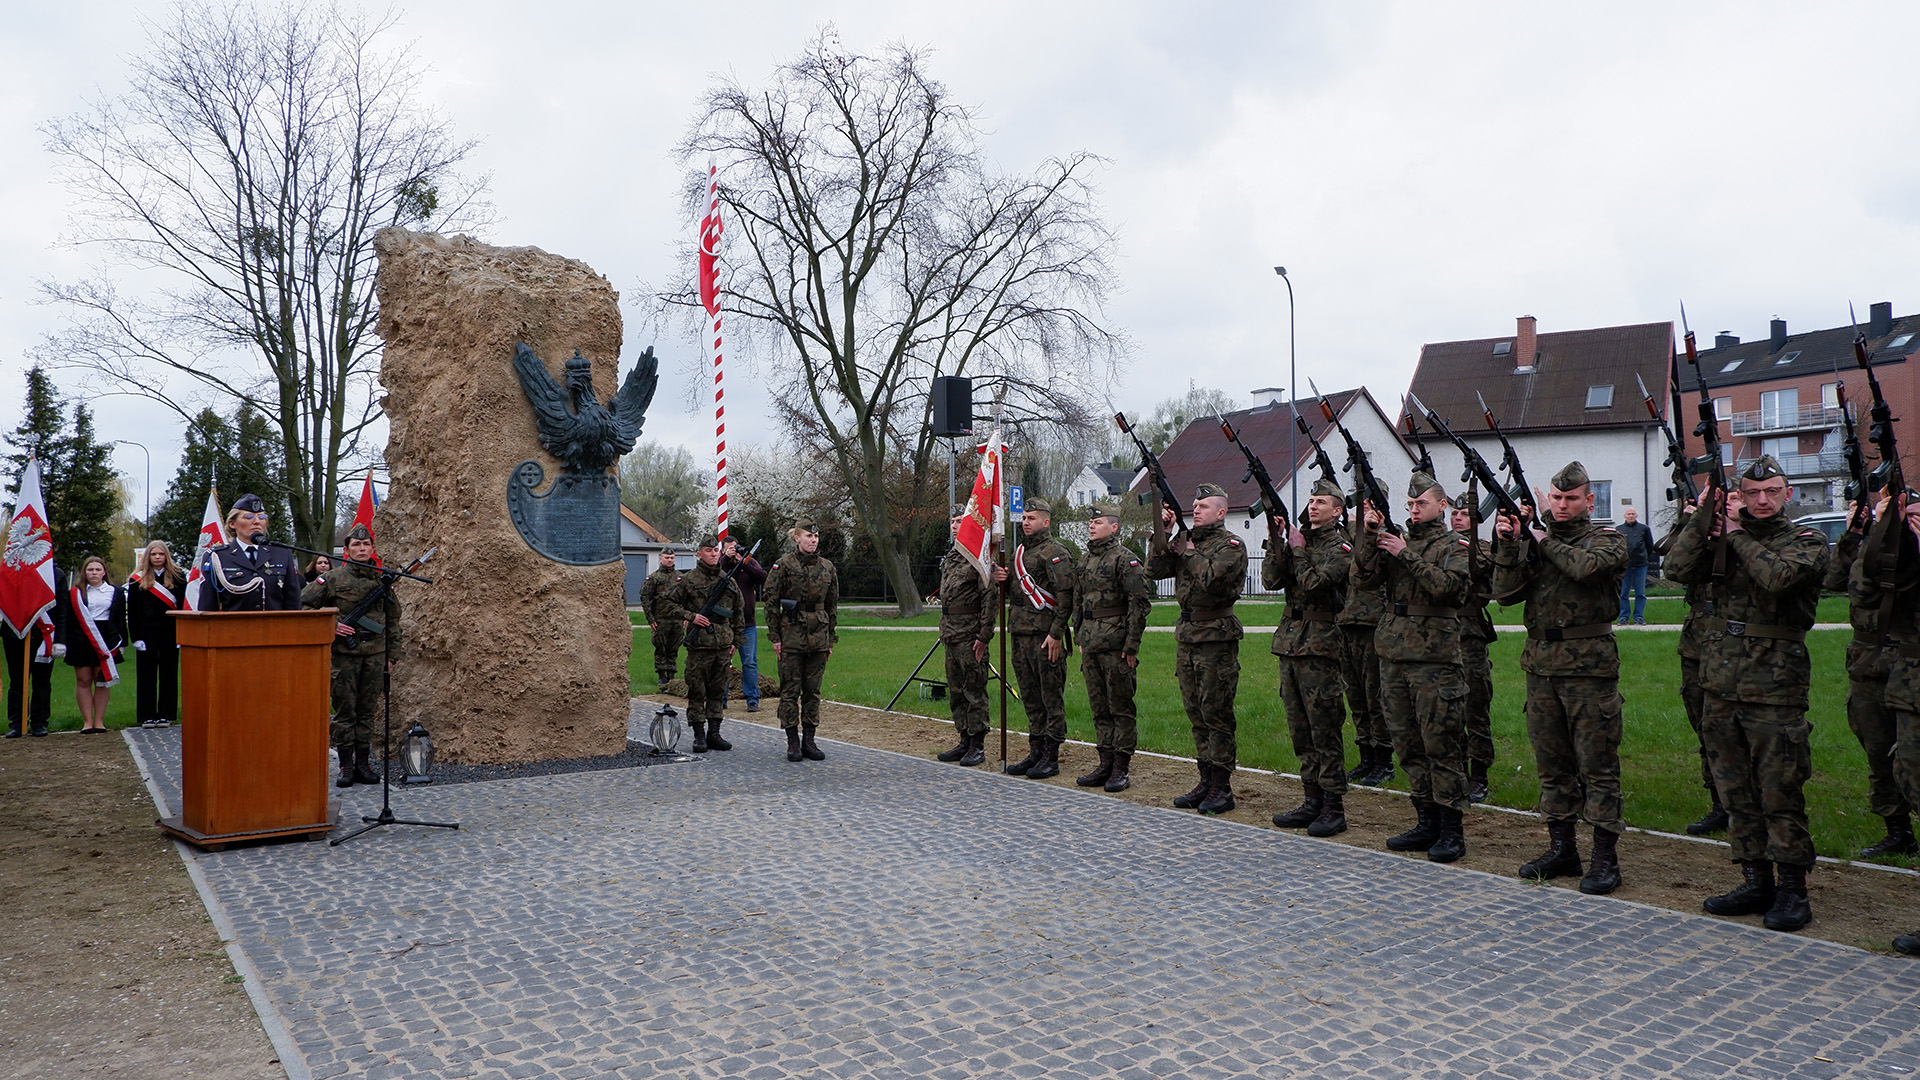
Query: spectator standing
155, 589
93, 628
1639, 540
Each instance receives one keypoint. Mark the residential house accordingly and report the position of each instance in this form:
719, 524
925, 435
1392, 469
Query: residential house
640, 548
1098, 482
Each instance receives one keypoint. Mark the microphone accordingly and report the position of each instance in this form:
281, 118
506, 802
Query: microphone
258, 538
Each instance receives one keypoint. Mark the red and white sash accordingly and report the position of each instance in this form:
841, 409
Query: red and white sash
1038, 596
161, 594
85, 618
46, 635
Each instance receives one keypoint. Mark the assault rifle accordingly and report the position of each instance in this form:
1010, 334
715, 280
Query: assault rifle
1425, 464
1510, 459
1683, 490
1366, 486
1859, 488
1152, 462
360, 616
1708, 429
1880, 424
1476, 466
1257, 472
1320, 459
712, 609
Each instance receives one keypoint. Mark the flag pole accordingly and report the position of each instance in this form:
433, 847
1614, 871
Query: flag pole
26, 674
1000, 560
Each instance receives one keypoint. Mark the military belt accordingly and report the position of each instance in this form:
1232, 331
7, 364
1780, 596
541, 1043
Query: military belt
1735, 628
809, 606
1102, 612
1310, 616
1205, 614
1877, 641
1570, 633
1911, 652
1422, 611
975, 610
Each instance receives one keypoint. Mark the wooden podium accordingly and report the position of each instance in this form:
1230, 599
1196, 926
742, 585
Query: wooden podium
253, 735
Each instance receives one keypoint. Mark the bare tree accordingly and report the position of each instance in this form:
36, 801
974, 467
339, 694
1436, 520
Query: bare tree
871, 249
253, 157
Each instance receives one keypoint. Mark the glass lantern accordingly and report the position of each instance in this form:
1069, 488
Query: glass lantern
665, 730
417, 755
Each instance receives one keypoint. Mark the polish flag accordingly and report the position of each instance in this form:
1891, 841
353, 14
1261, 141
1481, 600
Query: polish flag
985, 517
369, 502
211, 536
26, 564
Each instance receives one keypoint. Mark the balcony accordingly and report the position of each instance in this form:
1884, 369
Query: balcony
1785, 421
1801, 466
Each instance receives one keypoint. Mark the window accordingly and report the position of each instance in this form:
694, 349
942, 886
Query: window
1787, 358
1900, 342
1830, 395
1600, 397
1503, 348
1779, 408
1723, 408
1726, 455
1732, 365
1602, 499
1782, 448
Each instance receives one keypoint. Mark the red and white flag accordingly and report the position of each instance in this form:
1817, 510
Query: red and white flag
369, 502
26, 564
984, 519
709, 273
211, 536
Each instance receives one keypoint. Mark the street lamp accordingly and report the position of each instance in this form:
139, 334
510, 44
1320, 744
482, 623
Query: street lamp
1293, 394
146, 522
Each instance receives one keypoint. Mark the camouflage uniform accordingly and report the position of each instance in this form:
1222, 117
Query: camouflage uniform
1570, 582
966, 616
1360, 672
1902, 696
666, 632
1475, 663
802, 594
1693, 698
1310, 647
1043, 682
360, 661
1114, 595
1207, 583
1869, 660
709, 648
1755, 670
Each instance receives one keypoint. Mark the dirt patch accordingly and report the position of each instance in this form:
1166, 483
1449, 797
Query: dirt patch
1852, 905
110, 966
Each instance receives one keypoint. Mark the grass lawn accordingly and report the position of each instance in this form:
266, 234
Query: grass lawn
66, 711
1659, 755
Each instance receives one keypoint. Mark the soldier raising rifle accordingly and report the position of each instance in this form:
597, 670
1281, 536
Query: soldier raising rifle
1209, 567
1313, 565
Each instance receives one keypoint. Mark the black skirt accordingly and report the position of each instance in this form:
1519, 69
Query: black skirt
80, 651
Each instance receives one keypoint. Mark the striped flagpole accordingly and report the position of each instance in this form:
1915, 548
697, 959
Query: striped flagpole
710, 229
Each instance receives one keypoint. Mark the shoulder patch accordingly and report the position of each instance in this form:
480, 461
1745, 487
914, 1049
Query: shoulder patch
1234, 542
1056, 558
1463, 543
1133, 562
1346, 547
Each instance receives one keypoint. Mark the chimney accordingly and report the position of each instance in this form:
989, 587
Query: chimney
1880, 319
1725, 338
1526, 345
1778, 327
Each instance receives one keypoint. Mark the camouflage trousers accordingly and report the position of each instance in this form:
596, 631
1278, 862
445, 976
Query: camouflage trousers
1693, 698
666, 649
1761, 759
1478, 668
1873, 724
1312, 691
1360, 671
1110, 685
707, 672
1426, 705
1573, 722
967, 690
357, 683
1906, 754
800, 677
1209, 673
1043, 687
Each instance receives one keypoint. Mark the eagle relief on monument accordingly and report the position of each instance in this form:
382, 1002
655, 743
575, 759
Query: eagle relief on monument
577, 519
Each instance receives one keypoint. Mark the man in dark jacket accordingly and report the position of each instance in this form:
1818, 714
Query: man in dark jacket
1639, 540
749, 575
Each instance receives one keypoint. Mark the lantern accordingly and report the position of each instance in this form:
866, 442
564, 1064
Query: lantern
665, 730
417, 755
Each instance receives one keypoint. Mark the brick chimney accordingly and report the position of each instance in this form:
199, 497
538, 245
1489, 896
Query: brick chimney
1725, 338
1526, 344
1778, 330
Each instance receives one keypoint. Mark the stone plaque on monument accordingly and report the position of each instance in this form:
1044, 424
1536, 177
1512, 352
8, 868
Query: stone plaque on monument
577, 520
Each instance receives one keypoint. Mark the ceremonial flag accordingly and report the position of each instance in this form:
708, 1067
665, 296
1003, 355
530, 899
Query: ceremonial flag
983, 520
369, 502
212, 535
709, 273
26, 565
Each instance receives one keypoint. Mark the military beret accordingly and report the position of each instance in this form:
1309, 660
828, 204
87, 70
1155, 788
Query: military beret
1209, 491
1421, 483
1764, 467
1463, 501
1039, 506
1571, 477
1326, 486
358, 532
250, 503
807, 527
1102, 510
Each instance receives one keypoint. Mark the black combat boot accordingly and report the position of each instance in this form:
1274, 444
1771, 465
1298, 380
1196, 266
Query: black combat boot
1898, 841
1219, 798
793, 744
1333, 817
1562, 857
1363, 770
1603, 872
1019, 768
1118, 780
1306, 813
714, 741
362, 772
1049, 763
1199, 793
808, 749
1382, 768
1714, 822
1423, 833
1790, 910
346, 767
1907, 944
1452, 842
1477, 783
976, 750
1752, 896
1100, 772
699, 736
959, 750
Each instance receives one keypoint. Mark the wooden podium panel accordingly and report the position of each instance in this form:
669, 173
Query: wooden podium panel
253, 734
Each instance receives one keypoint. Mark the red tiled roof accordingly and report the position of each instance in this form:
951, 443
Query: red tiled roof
1554, 394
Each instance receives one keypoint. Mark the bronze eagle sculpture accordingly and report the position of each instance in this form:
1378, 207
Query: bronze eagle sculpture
586, 436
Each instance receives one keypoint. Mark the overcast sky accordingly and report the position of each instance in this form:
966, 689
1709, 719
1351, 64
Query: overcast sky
1426, 172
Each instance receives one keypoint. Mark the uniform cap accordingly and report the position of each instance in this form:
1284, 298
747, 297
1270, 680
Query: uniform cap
1102, 510
250, 503
1421, 483
1039, 506
1571, 477
1764, 467
708, 540
1463, 501
358, 532
807, 527
1209, 491
1326, 486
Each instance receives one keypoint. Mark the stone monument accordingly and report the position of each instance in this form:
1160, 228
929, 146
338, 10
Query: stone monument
512, 655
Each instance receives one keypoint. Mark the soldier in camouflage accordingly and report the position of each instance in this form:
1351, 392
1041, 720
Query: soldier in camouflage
1765, 573
1693, 696
802, 594
1474, 659
1870, 657
1114, 595
1313, 565
1568, 573
711, 634
1208, 568
359, 656
1893, 580
966, 628
1421, 682
666, 632
1040, 590
1360, 672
